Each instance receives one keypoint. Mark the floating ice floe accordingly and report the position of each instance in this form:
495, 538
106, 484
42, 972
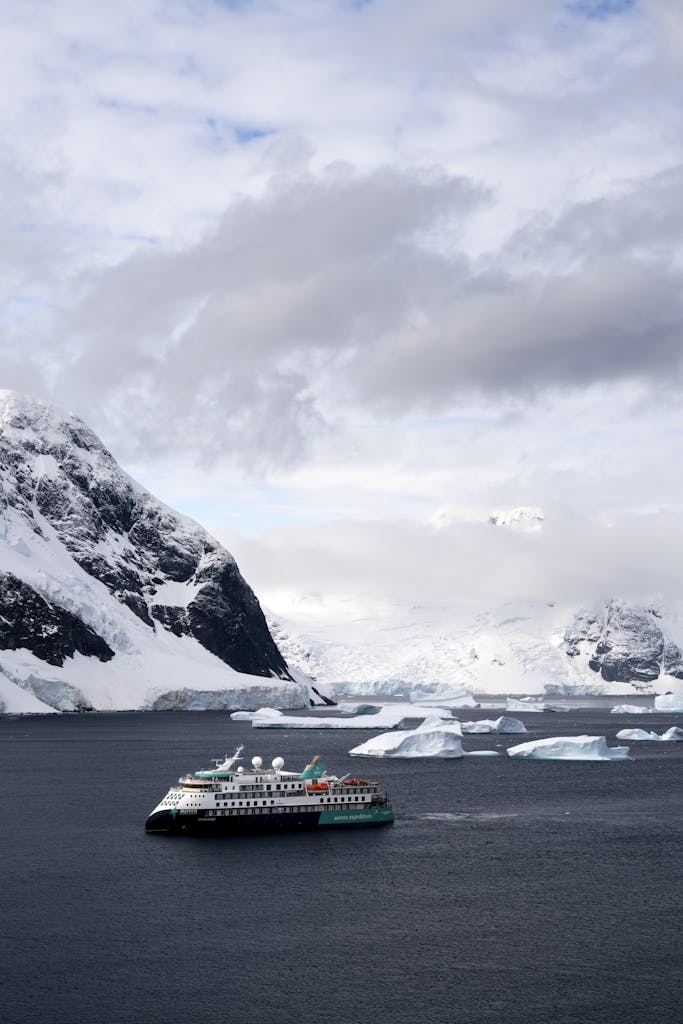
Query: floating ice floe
391, 716
674, 734
630, 709
529, 704
669, 702
570, 748
499, 725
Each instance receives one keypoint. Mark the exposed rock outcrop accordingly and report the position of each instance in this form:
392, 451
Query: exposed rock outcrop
624, 643
82, 546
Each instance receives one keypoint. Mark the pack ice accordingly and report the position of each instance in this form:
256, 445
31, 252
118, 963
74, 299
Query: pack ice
570, 748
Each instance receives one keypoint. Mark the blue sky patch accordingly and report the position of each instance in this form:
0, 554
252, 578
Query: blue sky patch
599, 10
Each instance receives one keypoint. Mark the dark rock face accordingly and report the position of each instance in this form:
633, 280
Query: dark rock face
61, 483
624, 643
48, 631
225, 616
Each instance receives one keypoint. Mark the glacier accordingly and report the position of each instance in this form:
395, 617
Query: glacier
373, 648
569, 748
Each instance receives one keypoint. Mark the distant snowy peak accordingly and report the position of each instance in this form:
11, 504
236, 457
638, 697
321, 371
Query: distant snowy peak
92, 564
526, 517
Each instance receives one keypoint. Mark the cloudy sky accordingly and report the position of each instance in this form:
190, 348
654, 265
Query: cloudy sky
339, 279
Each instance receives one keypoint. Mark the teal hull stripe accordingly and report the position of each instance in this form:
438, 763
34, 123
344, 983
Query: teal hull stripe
354, 815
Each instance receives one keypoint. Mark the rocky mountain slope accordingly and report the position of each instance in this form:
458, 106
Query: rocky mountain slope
108, 598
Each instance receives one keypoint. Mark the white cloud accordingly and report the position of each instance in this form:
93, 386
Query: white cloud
385, 258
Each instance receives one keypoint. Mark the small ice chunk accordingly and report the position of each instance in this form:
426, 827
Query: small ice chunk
669, 702
674, 734
499, 725
630, 709
351, 710
249, 716
570, 748
481, 753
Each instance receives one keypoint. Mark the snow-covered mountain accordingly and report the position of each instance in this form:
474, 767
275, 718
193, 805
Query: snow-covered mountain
617, 648
526, 517
108, 598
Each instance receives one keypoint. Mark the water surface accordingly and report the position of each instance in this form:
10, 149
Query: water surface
506, 890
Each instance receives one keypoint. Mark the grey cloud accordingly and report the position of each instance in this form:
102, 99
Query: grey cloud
574, 561
350, 289
242, 329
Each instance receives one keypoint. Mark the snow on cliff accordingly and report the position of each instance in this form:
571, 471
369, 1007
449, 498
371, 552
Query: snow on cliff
380, 650
108, 598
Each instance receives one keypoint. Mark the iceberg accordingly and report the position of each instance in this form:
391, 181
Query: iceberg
674, 734
669, 702
499, 725
434, 738
570, 748
637, 734
531, 704
630, 709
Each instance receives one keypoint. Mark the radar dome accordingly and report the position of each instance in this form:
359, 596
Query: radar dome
278, 763
256, 762
240, 770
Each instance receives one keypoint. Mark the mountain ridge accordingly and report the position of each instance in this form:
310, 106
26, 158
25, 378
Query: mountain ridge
94, 568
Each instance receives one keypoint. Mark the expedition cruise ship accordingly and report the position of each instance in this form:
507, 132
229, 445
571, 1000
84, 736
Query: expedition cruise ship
228, 800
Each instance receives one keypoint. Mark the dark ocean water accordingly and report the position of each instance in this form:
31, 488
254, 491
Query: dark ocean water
506, 891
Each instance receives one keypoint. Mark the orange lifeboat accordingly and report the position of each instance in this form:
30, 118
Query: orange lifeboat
318, 787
